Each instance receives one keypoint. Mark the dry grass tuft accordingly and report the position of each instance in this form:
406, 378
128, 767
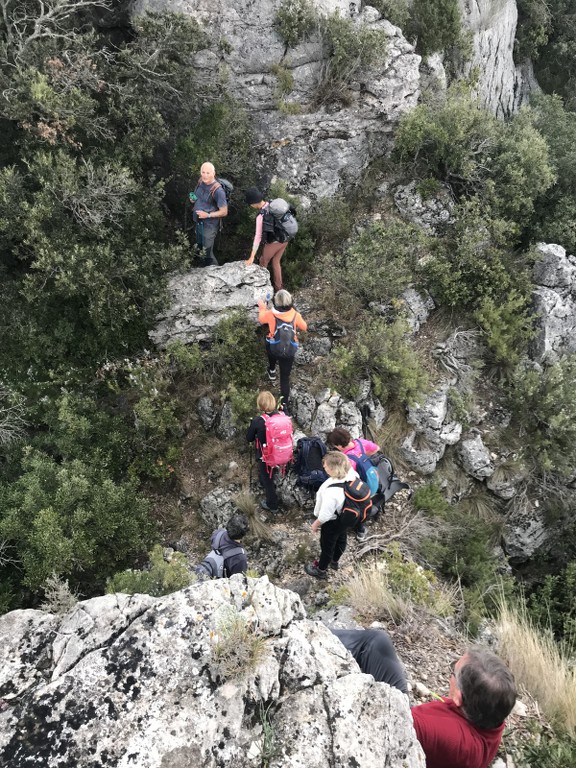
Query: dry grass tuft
390, 436
538, 663
248, 505
237, 649
371, 597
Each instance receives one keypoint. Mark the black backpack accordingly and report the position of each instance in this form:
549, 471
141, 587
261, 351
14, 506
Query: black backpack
389, 482
308, 464
283, 344
357, 502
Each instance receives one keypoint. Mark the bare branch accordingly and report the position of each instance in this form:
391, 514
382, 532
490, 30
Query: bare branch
12, 424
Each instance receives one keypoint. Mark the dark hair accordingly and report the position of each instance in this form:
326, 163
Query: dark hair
237, 526
339, 437
488, 688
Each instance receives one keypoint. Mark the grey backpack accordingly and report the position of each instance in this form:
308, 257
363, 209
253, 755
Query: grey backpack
280, 223
213, 565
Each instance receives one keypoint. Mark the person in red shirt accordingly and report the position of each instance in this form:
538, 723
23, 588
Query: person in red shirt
465, 730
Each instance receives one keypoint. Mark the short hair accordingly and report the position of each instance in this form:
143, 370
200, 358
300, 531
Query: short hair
488, 688
209, 166
283, 298
336, 464
339, 437
237, 526
266, 401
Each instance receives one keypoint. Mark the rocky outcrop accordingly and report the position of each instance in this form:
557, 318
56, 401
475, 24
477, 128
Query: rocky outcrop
201, 298
554, 299
223, 673
475, 457
318, 148
502, 86
431, 212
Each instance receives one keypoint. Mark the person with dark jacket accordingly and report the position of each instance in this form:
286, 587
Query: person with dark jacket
282, 312
375, 655
256, 433
226, 541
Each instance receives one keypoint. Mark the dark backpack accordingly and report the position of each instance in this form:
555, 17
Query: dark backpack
279, 222
365, 468
357, 502
226, 185
214, 564
283, 344
308, 464
388, 482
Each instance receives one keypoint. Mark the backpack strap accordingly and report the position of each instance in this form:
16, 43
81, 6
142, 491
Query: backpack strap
358, 442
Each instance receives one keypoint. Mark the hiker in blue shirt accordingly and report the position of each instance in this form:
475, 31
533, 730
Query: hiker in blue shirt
210, 207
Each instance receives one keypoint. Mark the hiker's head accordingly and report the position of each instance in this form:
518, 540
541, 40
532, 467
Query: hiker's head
207, 173
254, 198
266, 401
336, 464
237, 526
483, 687
339, 438
282, 299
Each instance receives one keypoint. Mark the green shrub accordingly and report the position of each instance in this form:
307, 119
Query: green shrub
383, 353
544, 408
555, 750
553, 604
236, 353
429, 498
507, 325
351, 49
397, 12
436, 24
284, 79
162, 577
296, 20
71, 519
330, 220
381, 262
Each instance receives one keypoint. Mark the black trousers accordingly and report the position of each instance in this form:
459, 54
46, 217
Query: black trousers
285, 364
333, 540
267, 483
375, 654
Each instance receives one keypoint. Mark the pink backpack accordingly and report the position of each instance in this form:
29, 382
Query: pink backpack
278, 449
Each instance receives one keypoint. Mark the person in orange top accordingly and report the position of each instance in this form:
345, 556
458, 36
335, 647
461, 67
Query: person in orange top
282, 342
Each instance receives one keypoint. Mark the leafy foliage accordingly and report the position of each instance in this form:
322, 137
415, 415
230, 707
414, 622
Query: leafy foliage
544, 406
351, 48
436, 24
73, 520
296, 20
161, 578
381, 352
553, 604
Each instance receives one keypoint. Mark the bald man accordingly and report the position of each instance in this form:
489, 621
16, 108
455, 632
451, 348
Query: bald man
210, 207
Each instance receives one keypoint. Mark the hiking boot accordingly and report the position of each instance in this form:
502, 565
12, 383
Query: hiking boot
272, 510
313, 570
272, 374
334, 565
361, 533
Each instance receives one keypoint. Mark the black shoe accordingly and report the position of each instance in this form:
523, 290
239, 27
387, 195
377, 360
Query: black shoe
313, 570
361, 532
272, 375
272, 510
334, 565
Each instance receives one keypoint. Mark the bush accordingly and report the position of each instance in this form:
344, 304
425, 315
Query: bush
552, 606
351, 49
161, 578
296, 20
71, 519
436, 24
544, 408
508, 326
236, 354
381, 262
383, 353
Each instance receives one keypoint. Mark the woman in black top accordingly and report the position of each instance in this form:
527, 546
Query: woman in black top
256, 433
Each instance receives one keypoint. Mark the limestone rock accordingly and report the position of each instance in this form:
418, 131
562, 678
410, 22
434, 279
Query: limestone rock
218, 506
157, 689
525, 532
554, 304
318, 150
429, 213
502, 86
202, 297
475, 457
417, 307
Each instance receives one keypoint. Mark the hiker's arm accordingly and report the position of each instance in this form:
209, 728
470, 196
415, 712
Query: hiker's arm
219, 214
257, 240
316, 525
263, 312
370, 447
300, 323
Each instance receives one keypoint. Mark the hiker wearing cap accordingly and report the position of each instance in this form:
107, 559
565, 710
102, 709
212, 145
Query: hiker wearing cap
210, 207
273, 251
282, 342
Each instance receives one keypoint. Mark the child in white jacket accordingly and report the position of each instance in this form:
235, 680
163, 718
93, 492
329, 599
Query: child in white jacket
329, 502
